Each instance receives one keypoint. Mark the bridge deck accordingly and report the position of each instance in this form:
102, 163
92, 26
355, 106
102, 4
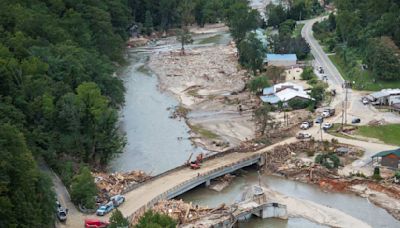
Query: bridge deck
177, 182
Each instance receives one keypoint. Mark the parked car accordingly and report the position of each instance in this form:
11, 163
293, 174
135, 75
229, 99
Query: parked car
319, 120
117, 200
303, 135
326, 113
61, 212
95, 223
327, 126
356, 120
306, 125
365, 101
105, 209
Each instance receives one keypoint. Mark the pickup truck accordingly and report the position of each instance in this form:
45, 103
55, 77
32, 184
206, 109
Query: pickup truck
306, 125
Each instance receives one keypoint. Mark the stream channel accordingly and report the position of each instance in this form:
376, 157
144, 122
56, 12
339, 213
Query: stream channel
157, 143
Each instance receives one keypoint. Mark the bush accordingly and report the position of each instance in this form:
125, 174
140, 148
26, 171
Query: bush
377, 174
310, 153
151, 219
307, 74
83, 188
117, 220
258, 83
329, 161
298, 104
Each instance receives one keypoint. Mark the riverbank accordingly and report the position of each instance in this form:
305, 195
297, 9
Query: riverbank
210, 86
289, 162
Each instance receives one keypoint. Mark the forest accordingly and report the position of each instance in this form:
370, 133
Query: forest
60, 92
366, 32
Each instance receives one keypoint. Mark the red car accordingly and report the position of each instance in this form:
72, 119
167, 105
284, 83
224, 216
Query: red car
95, 223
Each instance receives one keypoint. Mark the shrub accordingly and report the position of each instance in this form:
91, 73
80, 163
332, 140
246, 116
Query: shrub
298, 104
151, 219
117, 220
83, 188
307, 73
329, 161
377, 174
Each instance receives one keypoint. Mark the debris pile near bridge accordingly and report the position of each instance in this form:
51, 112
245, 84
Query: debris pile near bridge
220, 183
115, 183
184, 212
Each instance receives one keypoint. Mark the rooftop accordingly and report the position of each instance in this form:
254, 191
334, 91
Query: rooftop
385, 93
387, 152
281, 57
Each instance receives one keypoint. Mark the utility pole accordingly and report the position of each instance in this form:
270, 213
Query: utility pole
346, 91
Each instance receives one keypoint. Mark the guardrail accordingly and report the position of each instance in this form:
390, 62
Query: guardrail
191, 183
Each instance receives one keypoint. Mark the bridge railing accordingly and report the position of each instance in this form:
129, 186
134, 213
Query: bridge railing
193, 181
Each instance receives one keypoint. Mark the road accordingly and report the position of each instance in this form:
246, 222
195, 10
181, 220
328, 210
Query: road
147, 192
355, 108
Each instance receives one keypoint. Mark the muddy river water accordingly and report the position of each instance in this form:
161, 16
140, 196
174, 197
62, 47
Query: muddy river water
156, 143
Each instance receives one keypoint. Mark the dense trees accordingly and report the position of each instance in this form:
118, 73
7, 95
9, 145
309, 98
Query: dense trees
58, 98
368, 31
26, 198
252, 53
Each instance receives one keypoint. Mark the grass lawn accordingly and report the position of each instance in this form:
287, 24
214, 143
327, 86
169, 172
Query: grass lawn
363, 78
389, 134
297, 30
334, 131
203, 132
211, 39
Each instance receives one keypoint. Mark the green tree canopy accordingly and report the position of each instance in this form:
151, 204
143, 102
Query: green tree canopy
251, 53
26, 197
83, 188
155, 220
117, 220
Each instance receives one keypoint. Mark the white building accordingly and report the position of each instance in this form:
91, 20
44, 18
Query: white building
284, 92
385, 97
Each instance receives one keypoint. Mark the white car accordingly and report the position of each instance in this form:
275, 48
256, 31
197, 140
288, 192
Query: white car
326, 126
326, 113
305, 125
365, 101
117, 200
303, 135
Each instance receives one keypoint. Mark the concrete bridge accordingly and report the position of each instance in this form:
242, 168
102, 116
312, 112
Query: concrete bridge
182, 179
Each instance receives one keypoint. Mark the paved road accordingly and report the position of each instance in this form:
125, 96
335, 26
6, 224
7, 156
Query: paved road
355, 108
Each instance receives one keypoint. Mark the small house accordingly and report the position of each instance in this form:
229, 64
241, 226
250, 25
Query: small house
284, 92
389, 158
282, 60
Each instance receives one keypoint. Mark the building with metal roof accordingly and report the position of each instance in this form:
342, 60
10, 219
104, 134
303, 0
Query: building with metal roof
284, 92
284, 60
390, 158
385, 97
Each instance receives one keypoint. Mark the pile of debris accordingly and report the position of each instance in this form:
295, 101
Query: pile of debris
221, 183
184, 212
115, 183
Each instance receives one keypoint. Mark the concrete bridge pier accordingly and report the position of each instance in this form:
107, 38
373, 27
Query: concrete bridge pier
208, 182
272, 210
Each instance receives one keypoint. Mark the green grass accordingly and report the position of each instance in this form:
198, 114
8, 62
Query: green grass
297, 30
389, 134
211, 39
203, 132
334, 131
363, 78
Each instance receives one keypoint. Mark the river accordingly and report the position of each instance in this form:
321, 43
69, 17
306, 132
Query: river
351, 204
157, 143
